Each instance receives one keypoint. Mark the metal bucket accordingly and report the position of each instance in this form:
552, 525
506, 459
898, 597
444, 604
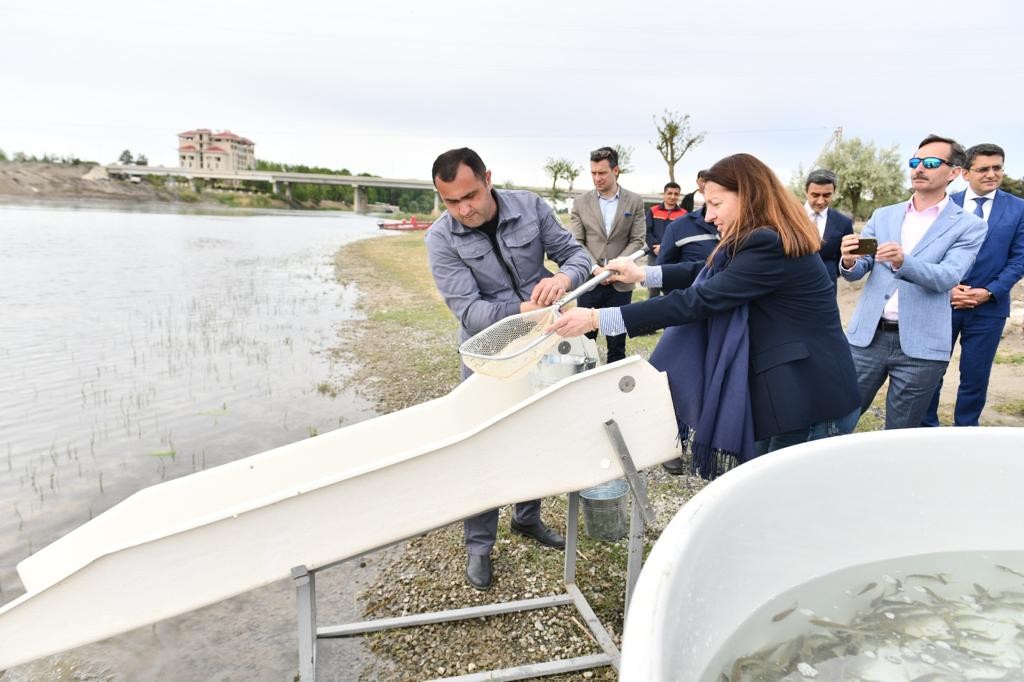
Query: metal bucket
604, 510
554, 367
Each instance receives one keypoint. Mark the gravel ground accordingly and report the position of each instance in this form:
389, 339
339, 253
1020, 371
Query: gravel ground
405, 318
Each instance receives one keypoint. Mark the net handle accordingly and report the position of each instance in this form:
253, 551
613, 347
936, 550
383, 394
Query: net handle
594, 281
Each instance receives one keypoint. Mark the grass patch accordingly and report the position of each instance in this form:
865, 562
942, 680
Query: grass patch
1014, 408
1007, 358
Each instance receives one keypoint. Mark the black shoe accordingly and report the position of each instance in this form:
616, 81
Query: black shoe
540, 533
674, 466
478, 571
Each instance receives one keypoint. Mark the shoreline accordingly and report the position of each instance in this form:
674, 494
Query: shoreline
163, 207
405, 352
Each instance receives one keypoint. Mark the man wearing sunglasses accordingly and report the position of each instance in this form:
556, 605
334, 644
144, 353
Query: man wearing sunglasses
981, 301
925, 246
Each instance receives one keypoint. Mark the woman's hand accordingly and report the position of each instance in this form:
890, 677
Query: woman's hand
575, 322
624, 270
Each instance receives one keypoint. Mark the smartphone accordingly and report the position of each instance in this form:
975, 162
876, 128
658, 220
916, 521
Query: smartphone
866, 247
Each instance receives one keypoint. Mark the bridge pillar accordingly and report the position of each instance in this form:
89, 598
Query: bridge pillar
288, 191
192, 184
275, 187
360, 199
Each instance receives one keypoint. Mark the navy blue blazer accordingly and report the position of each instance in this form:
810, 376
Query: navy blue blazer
801, 370
837, 226
1000, 262
690, 225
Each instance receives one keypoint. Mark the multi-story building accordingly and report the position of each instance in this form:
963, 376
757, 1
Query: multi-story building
206, 150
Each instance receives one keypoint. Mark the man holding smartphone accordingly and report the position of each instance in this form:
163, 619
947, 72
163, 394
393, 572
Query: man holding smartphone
925, 246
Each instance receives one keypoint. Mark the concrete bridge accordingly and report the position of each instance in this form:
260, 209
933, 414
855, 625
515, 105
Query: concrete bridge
282, 181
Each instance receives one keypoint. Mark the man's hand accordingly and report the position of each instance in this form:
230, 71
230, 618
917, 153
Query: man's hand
846, 247
623, 270
890, 252
529, 307
964, 297
575, 322
657, 249
550, 289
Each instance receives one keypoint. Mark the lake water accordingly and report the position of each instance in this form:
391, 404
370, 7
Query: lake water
139, 347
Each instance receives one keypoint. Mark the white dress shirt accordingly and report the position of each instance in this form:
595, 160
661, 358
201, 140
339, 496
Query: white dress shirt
986, 208
819, 219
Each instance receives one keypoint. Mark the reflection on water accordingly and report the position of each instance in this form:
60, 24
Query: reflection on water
138, 347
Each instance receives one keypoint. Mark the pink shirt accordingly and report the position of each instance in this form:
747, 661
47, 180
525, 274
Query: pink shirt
915, 225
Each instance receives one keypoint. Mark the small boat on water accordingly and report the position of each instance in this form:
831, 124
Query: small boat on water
404, 224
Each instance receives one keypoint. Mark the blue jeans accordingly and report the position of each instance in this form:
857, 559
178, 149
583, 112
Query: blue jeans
912, 381
824, 429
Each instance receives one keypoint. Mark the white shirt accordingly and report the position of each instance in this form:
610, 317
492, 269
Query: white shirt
915, 225
819, 219
986, 208
608, 208
698, 200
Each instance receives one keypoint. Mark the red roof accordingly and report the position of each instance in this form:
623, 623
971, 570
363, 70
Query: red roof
215, 148
228, 135
187, 148
194, 132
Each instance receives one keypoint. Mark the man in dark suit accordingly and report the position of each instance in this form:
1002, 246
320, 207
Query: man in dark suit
608, 222
694, 201
820, 189
981, 302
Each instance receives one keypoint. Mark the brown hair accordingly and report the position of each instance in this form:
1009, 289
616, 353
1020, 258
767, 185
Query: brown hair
763, 202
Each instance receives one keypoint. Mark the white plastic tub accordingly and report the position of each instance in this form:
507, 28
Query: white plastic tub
809, 511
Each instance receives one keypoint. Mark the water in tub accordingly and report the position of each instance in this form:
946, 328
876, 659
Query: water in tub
935, 617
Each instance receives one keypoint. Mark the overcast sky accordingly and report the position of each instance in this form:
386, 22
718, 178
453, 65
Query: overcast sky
383, 87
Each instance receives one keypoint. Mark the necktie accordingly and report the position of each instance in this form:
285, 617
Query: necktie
816, 217
979, 202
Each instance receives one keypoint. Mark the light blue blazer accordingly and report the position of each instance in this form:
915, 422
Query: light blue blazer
938, 263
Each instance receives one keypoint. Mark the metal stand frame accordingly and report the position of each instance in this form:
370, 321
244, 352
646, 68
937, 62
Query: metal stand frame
640, 510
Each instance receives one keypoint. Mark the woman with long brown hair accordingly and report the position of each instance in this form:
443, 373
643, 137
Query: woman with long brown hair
754, 347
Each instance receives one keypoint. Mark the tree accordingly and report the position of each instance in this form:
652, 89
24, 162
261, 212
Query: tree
3, 157
625, 159
674, 139
126, 158
1013, 186
558, 169
141, 160
866, 175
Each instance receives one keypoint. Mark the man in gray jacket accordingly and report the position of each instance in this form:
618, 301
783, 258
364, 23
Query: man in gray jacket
487, 258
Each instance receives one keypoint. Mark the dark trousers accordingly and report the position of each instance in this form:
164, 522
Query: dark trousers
979, 339
606, 296
480, 531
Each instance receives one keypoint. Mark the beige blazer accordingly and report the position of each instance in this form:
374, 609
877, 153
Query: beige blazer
628, 229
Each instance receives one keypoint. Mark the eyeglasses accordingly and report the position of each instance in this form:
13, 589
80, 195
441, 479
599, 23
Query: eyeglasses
604, 153
984, 170
929, 162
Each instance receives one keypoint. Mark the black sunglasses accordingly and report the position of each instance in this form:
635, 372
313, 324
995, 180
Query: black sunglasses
929, 162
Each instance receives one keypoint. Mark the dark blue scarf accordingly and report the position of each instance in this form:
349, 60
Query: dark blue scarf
707, 363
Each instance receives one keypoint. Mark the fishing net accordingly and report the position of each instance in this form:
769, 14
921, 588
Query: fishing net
513, 345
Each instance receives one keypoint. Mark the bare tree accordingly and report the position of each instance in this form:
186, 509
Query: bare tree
558, 169
674, 139
625, 158
571, 172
